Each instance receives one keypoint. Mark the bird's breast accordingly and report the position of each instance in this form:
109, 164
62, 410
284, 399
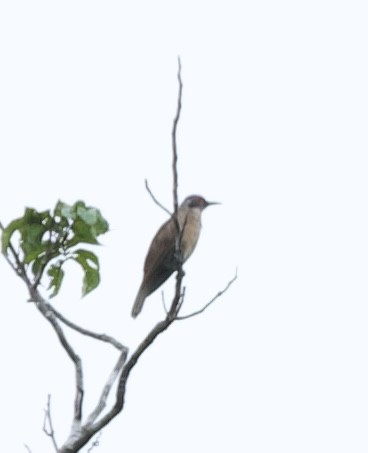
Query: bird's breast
192, 228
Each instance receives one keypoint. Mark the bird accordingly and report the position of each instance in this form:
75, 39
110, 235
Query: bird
161, 259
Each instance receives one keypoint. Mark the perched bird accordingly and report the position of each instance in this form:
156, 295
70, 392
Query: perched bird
161, 260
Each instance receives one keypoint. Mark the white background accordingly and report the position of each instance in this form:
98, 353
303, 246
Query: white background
274, 125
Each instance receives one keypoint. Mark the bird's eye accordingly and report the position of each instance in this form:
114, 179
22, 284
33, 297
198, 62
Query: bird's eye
197, 201
194, 202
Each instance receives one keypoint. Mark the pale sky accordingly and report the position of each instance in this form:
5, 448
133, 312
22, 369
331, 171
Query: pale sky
274, 126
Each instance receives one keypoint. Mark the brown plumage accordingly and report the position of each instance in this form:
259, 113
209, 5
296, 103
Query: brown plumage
160, 261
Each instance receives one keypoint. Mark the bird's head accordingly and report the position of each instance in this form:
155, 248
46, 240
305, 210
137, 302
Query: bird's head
196, 201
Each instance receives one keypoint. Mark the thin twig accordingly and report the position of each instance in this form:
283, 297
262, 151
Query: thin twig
163, 302
175, 306
95, 443
25, 445
48, 313
178, 297
107, 388
48, 428
89, 333
155, 199
174, 145
181, 300
219, 294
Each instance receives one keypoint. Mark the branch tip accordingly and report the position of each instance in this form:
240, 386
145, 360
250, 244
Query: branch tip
155, 199
219, 294
48, 428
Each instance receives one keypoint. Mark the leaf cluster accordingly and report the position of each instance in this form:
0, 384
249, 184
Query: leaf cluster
48, 239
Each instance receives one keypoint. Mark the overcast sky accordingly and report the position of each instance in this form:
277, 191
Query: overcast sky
274, 126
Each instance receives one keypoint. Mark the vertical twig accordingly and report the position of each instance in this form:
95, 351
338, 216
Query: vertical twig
174, 145
47, 423
175, 306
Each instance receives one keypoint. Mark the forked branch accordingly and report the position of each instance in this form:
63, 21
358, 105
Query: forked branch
48, 427
219, 294
84, 429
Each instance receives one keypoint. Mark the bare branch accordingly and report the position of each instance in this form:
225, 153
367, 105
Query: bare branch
219, 294
89, 432
27, 448
176, 304
106, 390
155, 199
152, 335
181, 299
95, 443
48, 428
163, 301
47, 311
179, 296
174, 145
89, 333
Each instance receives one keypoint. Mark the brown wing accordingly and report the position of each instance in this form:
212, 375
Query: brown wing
160, 262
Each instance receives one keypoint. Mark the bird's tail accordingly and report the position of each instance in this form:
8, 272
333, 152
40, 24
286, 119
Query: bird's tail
139, 301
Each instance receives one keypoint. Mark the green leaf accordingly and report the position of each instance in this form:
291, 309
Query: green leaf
34, 251
37, 265
32, 241
46, 238
65, 210
31, 227
33, 216
93, 217
86, 223
88, 215
57, 275
8, 232
40, 262
82, 233
91, 269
